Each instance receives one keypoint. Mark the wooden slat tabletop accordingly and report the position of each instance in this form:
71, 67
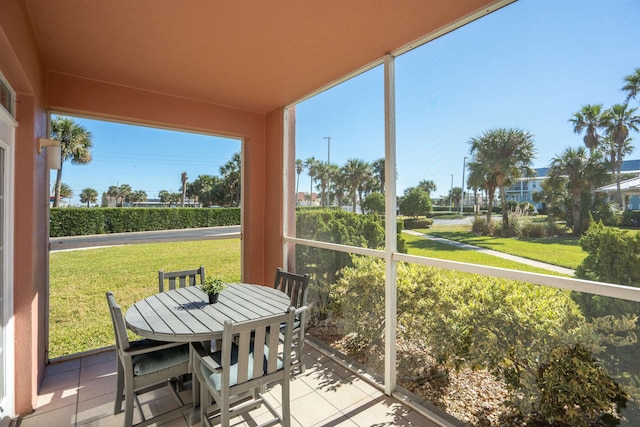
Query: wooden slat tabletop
184, 314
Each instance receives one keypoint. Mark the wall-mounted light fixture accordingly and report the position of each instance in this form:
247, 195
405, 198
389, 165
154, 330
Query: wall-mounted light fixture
54, 152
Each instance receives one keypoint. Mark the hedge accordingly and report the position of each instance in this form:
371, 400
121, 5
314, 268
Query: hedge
83, 221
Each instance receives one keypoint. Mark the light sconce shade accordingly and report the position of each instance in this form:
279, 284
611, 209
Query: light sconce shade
54, 152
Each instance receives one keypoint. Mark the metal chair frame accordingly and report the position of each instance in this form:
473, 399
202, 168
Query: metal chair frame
297, 287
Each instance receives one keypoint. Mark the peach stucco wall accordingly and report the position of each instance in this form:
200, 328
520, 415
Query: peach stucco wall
21, 65
73, 95
39, 92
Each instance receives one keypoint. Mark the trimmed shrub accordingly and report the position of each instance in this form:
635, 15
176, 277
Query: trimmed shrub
83, 221
613, 256
631, 218
410, 223
340, 227
471, 321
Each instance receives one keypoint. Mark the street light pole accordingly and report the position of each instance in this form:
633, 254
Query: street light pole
451, 195
328, 138
464, 165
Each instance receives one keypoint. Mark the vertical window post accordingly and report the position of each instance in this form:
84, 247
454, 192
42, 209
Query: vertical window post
390, 225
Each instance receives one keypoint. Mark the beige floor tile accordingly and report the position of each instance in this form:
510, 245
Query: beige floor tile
98, 387
380, 412
337, 420
366, 387
99, 411
327, 395
54, 399
63, 366
98, 370
63, 380
297, 389
344, 395
97, 358
321, 380
311, 409
61, 417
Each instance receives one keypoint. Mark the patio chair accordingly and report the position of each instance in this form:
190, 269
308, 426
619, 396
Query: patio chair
144, 365
236, 376
296, 286
180, 279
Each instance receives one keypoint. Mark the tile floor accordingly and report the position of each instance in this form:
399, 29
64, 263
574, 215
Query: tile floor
80, 392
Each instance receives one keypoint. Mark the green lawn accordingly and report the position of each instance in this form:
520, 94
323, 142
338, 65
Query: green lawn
417, 245
79, 317
561, 251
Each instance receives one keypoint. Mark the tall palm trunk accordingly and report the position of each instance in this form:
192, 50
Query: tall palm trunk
503, 200
489, 208
56, 194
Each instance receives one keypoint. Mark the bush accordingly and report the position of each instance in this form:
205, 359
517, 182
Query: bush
472, 321
527, 208
339, 227
613, 256
631, 218
415, 203
374, 203
481, 226
410, 223
83, 221
576, 391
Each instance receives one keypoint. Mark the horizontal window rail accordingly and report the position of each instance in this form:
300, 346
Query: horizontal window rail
596, 288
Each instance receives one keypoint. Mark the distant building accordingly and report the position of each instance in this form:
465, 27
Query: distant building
522, 191
302, 199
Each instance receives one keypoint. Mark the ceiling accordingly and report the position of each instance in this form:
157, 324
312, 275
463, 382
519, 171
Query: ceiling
253, 55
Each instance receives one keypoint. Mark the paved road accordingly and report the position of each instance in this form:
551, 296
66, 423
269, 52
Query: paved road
208, 233
521, 260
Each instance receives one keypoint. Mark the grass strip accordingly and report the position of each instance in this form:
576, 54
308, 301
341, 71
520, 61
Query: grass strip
79, 316
561, 251
417, 245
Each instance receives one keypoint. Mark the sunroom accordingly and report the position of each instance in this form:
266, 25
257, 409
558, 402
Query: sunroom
240, 70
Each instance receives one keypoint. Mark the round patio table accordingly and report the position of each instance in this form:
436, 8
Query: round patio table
185, 315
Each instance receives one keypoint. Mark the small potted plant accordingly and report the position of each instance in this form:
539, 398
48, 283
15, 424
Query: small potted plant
212, 287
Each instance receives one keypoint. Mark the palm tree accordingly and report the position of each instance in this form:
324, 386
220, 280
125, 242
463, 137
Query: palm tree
377, 168
183, 180
339, 185
590, 118
75, 141
65, 191
571, 176
507, 154
617, 153
427, 185
311, 164
112, 195
299, 170
124, 192
481, 177
632, 85
138, 196
88, 196
323, 173
164, 196
356, 171
620, 120
201, 189
231, 177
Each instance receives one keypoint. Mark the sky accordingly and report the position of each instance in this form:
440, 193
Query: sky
530, 66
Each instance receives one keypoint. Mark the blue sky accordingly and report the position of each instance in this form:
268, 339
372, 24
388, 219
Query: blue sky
530, 65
